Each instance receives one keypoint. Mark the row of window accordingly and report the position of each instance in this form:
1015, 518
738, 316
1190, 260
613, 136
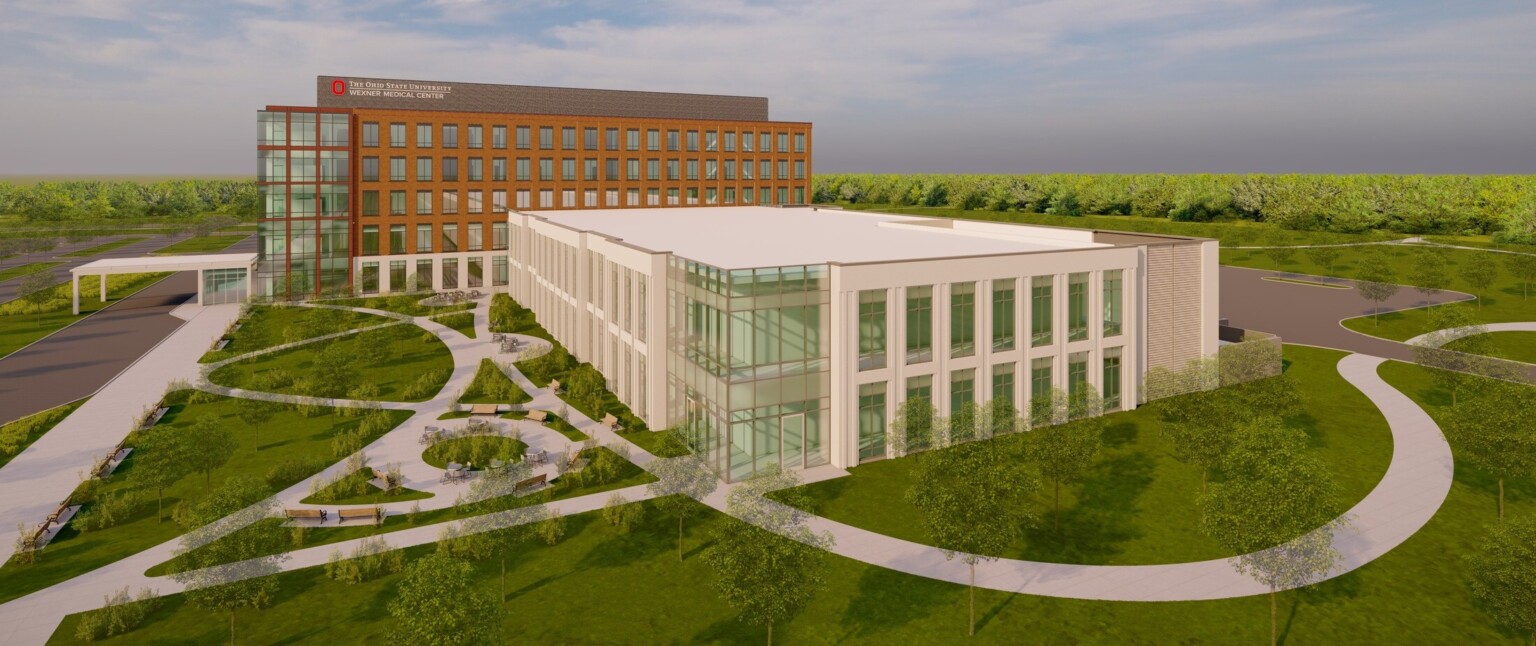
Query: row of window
676, 169
449, 204
589, 139
872, 418
962, 316
447, 234
402, 279
302, 129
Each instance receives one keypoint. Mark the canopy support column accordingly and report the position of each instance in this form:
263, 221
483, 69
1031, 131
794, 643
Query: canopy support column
75, 293
103, 288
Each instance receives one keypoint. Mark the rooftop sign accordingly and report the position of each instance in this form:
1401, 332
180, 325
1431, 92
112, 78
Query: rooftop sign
395, 94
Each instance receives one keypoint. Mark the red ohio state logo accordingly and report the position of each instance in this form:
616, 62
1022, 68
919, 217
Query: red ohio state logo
338, 87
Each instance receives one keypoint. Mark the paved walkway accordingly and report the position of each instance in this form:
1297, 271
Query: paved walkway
1443, 337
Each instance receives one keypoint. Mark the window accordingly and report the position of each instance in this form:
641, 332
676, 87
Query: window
653, 140
423, 238
568, 198
1040, 381
370, 278
589, 139
397, 202
589, 169
522, 169
871, 420
499, 271
611, 169
476, 272
476, 139
272, 165
1002, 383
799, 142
783, 195
523, 198
476, 205
397, 239
962, 319
476, 236
450, 136
568, 169
672, 197
589, 197
523, 137
632, 139
653, 197
611, 139
919, 324
746, 170
962, 389
1002, 314
632, 169
450, 207
672, 173
693, 170
1077, 306
711, 141
370, 169
476, 169
499, 203
370, 202
783, 142
423, 135
546, 137
1040, 311
693, 196
370, 135
1077, 375
450, 273
333, 200
730, 141
333, 130
765, 170
800, 169
746, 142
423, 169
672, 142
397, 275
499, 169
730, 195
711, 195
450, 237
301, 165
546, 199
746, 195
783, 169
568, 138
1114, 302
730, 169
765, 142
693, 141
272, 129
423, 202
334, 166
632, 197
370, 240
396, 135
499, 137
546, 169
301, 201
1111, 379
653, 169
450, 169
763, 195
396, 169
498, 236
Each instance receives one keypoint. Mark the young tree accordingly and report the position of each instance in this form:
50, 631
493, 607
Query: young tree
1198, 426
254, 412
1278, 249
965, 425
1493, 431
1064, 451
1430, 274
1454, 369
1480, 271
1376, 283
1324, 256
36, 289
333, 369
227, 562
972, 504
1277, 508
498, 533
439, 604
912, 429
1503, 573
1523, 268
680, 483
208, 445
161, 461
1003, 417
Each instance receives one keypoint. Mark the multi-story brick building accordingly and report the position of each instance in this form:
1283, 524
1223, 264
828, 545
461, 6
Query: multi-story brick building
386, 182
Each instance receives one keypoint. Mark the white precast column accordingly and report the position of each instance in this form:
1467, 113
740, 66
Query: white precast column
76, 292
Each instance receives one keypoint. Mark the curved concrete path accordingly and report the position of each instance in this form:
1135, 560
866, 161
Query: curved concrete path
1442, 337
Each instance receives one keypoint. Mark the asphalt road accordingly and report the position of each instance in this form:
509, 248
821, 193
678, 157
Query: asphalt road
143, 247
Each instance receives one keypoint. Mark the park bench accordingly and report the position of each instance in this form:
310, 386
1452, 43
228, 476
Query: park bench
304, 514
554, 386
611, 422
531, 484
539, 416
372, 513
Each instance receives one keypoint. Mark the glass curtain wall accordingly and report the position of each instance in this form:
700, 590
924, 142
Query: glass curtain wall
748, 367
304, 237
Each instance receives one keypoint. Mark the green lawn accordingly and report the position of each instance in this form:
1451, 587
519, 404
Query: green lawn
22, 270
407, 304
1516, 346
492, 386
17, 330
18, 434
288, 436
1137, 506
101, 248
355, 489
393, 359
202, 244
269, 325
509, 316
462, 322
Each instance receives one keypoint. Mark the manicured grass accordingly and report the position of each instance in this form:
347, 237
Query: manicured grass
392, 359
559, 424
266, 326
1137, 505
463, 322
17, 435
29, 268
492, 386
1516, 346
201, 244
477, 450
101, 248
651, 442
345, 491
287, 436
407, 304
509, 316
17, 330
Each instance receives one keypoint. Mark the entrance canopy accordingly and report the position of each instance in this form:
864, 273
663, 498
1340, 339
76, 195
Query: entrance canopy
221, 278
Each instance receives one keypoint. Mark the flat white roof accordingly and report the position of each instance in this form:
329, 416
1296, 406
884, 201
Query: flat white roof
166, 263
738, 237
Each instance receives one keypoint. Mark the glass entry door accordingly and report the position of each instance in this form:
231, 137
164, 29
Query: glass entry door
792, 438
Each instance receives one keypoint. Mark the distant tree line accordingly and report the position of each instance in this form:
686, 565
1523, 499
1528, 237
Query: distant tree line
1454, 204
95, 200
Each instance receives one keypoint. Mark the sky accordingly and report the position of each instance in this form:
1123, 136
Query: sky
147, 87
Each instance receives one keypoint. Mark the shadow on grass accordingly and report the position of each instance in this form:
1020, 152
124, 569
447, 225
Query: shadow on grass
885, 600
1103, 518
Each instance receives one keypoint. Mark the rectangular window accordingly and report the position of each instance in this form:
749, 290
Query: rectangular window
730, 170
370, 169
274, 201
302, 129
632, 169
271, 166
498, 236
370, 240
499, 202
474, 136
1040, 311
334, 166
962, 389
397, 202
672, 140
1077, 306
423, 238
1002, 314
962, 319
423, 135
783, 142
653, 169
397, 239
693, 141
522, 169
396, 169
370, 202
450, 273
523, 198
568, 198
450, 205
424, 273
523, 137
370, 278
397, 280
730, 195
746, 170
693, 170
1111, 379
476, 236
423, 202
611, 169
871, 420
397, 135
1077, 375
450, 236
423, 169
919, 324
765, 142
589, 197
476, 200
800, 169
568, 169
611, 138
450, 169
499, 169
301, 166
476, 169
546, 169
450, 136
499, 137
1040, 381
1114, 302
589, 139
799, 142
546, 137
632, 139
672, 197
1002, 382
746, 141
653, 140
783, 169
632, 197
498, 271
568, 138
589, 169
546, 199
271, 128
476, 271
370, 135
672, 169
